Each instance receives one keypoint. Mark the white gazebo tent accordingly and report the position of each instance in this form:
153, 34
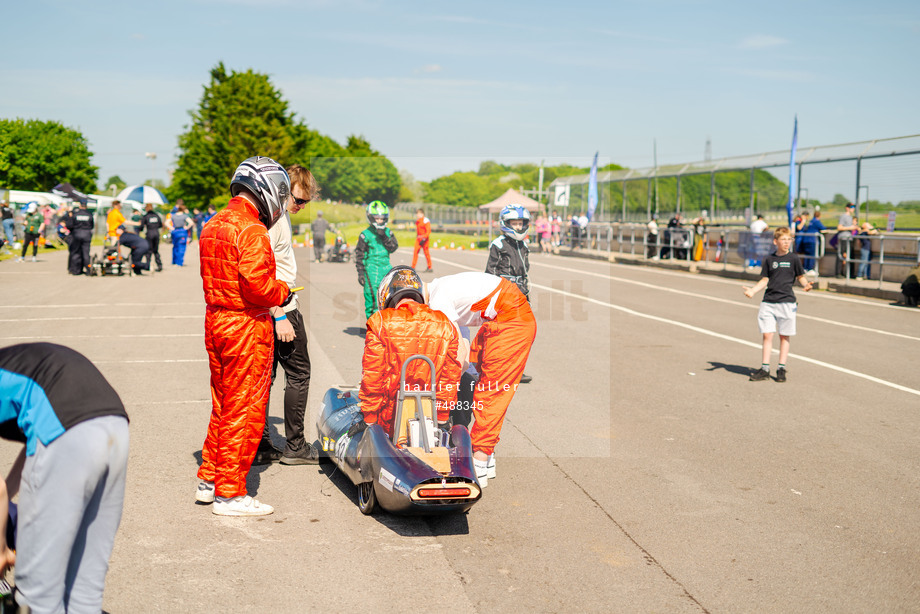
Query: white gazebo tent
511, 197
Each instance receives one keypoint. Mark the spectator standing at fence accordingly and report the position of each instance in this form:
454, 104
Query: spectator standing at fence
583, 229
758, 226
672, 235
801, 224
810, 242
777, 312
846, 227
557, 229
651, 239
865, 250
48, 215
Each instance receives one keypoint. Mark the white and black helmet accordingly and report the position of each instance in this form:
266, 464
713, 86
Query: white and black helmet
268, 182
514, 212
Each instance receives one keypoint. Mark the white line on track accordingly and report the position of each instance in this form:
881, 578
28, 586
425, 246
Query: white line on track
718, 280
62, 319
148, 362
707, 332
53, 337
747, 305
106, 305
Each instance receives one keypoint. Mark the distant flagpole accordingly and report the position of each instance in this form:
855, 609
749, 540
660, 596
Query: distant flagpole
792, 175
592, 188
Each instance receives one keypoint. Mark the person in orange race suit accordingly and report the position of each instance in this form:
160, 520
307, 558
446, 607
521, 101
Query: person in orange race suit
238, 275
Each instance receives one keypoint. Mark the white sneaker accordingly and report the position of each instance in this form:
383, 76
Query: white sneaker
491, 466
482, 472
240, 506
20, 259
205, 492
34, 259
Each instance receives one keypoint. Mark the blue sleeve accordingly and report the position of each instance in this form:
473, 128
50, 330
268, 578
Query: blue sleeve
23, 399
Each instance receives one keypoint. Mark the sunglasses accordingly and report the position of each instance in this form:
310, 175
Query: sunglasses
300, 201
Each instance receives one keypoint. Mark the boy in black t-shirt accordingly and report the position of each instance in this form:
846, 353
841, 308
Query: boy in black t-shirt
779, 273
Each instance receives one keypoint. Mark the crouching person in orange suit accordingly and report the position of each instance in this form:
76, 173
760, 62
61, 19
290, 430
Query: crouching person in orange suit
404, 326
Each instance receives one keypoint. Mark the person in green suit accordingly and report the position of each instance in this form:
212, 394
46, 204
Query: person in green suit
372, 253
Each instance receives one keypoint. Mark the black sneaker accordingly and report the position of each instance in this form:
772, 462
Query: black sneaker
781, 375
760, 376
526, 379
305, 456
266, 455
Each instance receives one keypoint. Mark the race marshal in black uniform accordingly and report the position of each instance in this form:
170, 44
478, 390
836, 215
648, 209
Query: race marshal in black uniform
80, 225
152, 224
138, 247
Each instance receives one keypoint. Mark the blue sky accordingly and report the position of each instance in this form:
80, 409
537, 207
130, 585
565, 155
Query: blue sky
440, 86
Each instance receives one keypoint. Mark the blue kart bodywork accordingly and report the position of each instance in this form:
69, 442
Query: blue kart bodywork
394, 477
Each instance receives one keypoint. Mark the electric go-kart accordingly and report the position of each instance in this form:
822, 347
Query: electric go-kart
419, 470
338, 251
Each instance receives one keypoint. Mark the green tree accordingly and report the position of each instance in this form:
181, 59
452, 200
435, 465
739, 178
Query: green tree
840, 201
466, 189
240, 115
37, 155
115, 180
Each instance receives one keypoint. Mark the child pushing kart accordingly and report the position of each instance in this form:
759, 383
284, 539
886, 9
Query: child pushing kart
372, 253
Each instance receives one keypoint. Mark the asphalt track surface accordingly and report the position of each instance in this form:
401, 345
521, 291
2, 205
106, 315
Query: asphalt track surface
639, 472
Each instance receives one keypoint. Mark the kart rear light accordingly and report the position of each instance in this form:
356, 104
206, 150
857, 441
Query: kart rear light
443, 493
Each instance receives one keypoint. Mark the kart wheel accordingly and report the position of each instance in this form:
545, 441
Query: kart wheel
367, 500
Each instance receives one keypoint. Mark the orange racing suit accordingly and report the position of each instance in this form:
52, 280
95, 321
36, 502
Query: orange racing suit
395, 334
422, 239
507, 329
238, 274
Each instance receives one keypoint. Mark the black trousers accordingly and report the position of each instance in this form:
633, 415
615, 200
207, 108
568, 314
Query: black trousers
138, 260
153, 243
31, 237
295, 361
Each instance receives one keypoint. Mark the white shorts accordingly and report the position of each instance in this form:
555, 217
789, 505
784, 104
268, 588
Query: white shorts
774, 317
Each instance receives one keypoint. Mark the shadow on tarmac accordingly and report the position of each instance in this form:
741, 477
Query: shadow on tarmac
736, 369
404, 526
355, 331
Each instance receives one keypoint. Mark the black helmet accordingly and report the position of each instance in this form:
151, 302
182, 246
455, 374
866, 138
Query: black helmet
401, 282
268, 182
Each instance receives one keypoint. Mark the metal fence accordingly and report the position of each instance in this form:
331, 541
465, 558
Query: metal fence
892, 255
877, 171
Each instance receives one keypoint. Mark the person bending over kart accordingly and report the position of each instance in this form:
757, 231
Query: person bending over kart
70, 475
405, 326
238, 275
507, 329
138, 246
372, 253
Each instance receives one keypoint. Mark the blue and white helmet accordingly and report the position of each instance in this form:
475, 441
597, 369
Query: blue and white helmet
268, 182
514, 212
32, 207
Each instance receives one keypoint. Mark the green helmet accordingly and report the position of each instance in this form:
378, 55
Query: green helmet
378, 214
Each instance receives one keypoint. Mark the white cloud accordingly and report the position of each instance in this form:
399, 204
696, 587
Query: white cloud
762, 41
429, 68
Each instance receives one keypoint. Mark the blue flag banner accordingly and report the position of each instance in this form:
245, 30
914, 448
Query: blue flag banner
792, 175
592, 189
